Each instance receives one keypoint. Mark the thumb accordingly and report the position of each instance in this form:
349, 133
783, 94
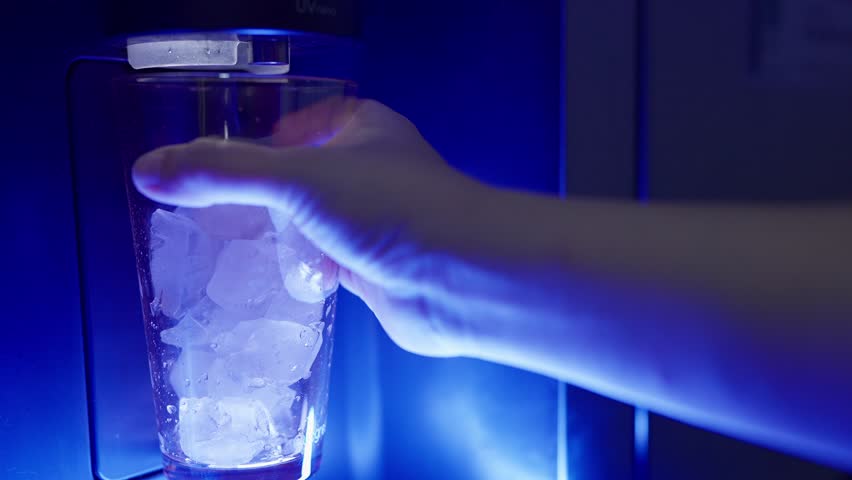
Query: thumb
212, 171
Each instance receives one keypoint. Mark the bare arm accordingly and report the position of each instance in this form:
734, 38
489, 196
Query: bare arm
734, 319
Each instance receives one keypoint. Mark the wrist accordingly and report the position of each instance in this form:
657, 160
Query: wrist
494, 263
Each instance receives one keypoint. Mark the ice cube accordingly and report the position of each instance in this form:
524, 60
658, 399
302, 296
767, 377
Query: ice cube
221, 383
190, 375
196, 420
215, 319
297, 244
308, 274
182, 261
188, 332
280, 219
227, 432
312, 281
285, 307
246, 276
227, 222
294, 445
234, 340
277, 400
201, 324
271, 351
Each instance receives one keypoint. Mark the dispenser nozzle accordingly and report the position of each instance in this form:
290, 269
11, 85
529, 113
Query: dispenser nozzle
260, 54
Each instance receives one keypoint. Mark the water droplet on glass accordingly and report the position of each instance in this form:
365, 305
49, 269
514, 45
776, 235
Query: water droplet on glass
187, 382
214, 346
155, 307
171, 409
170, 51
292, 367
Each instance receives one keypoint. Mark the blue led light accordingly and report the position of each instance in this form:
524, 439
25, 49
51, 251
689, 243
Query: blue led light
265, 31
640, 434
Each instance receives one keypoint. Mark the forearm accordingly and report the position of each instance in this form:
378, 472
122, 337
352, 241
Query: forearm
734, 319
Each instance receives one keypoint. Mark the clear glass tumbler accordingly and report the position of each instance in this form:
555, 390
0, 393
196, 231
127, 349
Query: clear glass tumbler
238, 305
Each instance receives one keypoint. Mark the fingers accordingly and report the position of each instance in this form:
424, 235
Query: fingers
343, 121
371, 120
340, 121
316, 124
210, 171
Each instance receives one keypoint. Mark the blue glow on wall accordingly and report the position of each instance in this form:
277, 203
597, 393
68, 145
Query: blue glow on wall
641, 432
487, 97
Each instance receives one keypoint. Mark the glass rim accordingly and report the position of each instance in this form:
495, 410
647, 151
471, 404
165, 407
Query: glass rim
223, 78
